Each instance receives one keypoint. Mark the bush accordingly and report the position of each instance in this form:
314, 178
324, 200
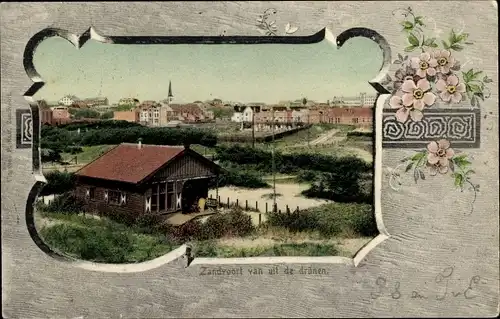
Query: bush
242, 178
65, 203
58, 183
329, 220
192, 230
357, 133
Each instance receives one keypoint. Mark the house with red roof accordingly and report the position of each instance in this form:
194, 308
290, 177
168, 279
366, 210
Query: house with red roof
137, 179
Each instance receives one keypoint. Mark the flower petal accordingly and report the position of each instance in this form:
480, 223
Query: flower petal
445, 54
396, 102
432, 158
421, 73
443, 144
452, 80
416, 115
456, 97
443, 169
433, 62
445, 96
408, 86
433, 147
441, 85
451, 61
402, 115
431, 71
429, 98
450, 153
445, 69
443, 161
460, 88
418, 104
424, 85
424, 56
415, 63
408, 99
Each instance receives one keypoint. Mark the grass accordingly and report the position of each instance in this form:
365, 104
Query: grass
101, 240
88, 154
213, 249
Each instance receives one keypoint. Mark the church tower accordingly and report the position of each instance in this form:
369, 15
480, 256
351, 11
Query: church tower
170, 95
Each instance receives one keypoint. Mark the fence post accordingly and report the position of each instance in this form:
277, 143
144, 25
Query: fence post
266, 207
246, 204
256, 206
260, 218
210, 196
287, 209
228, 202
237, 204
297, 208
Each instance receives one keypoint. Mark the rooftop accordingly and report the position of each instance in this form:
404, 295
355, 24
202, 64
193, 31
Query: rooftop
129, 162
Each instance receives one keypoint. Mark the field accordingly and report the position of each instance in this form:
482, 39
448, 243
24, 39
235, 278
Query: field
320, 226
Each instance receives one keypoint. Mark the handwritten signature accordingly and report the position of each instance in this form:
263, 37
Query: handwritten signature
443, 278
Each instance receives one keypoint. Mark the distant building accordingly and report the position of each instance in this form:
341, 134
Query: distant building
128, 101
362, 100
96, 101
60, 115
129, 116
68, 100
149, 113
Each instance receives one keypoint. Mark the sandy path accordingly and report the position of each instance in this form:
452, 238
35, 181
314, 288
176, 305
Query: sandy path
290, 196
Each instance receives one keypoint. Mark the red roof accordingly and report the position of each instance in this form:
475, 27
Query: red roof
129, 163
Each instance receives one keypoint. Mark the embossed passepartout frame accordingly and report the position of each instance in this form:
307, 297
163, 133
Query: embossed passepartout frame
433, 250
91, 34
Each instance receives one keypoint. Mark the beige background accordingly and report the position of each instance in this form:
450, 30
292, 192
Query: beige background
428, 225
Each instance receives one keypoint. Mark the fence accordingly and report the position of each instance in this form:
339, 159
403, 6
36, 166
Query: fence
265, 208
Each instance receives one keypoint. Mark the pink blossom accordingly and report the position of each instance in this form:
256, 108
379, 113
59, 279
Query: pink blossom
450, 89
439, 155
413, 100
424, 65
444, 61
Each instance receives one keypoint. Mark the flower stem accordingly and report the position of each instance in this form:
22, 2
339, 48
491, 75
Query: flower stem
475, 195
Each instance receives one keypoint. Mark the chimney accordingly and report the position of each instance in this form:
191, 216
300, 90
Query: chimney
186, 145
139, 143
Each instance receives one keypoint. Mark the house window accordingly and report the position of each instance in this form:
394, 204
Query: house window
92, 193
337, 120
355, 120
114, 197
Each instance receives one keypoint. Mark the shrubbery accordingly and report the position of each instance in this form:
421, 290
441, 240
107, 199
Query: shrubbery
65, 203
58, 183
116, 132
329, 220
242, 178
233, 223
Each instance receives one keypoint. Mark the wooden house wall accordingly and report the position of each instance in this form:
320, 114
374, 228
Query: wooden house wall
186, 167
133, 206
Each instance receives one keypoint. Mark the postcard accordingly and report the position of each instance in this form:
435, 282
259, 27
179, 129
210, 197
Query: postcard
250, 159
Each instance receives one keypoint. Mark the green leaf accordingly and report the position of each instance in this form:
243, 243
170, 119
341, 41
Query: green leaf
419, 21
485, 78
397, 62
481, 96
400, 57
456, 47
410, 48
416, 175
408, 167
452, 38
433, 45
418, 156
475, 88
476, 74
466, 77
470, 73
413, 40
445, 44
469, 93
469, 43
407, 25
488, 81
459, 180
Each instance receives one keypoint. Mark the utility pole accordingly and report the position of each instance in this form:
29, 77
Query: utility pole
253, 129
274, 164
308, 132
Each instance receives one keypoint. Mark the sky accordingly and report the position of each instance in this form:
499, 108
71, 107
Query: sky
266, 73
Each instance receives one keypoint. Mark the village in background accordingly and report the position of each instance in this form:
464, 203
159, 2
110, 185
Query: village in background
233, 179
